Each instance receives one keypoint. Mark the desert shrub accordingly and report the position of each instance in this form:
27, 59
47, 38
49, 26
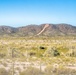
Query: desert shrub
50, 70
31, 71
4, 72
32, 53
2, 55
56, 53
65, 71
51, 52
41, 47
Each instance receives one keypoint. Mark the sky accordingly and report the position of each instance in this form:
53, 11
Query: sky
24, 12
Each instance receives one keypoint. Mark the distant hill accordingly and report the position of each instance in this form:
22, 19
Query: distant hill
39, 30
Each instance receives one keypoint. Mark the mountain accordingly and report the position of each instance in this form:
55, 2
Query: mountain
7, 30
39, 30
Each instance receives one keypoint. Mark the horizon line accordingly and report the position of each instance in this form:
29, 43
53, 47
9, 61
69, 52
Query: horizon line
39, 24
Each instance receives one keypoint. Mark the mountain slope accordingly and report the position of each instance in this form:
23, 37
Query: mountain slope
7, 30
60, 29
39, 30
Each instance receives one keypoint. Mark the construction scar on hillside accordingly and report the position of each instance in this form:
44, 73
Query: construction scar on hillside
47, 25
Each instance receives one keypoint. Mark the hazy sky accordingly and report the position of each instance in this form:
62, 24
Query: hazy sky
23, 12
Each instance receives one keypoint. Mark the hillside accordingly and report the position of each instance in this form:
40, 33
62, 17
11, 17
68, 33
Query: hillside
39, 30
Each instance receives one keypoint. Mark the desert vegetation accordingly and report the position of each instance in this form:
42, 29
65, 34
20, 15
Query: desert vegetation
38, 55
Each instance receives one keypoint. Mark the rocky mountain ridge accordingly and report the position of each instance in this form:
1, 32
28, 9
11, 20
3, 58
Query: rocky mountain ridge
39, 30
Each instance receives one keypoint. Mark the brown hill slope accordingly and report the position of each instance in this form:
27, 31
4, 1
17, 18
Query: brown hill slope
39, 30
